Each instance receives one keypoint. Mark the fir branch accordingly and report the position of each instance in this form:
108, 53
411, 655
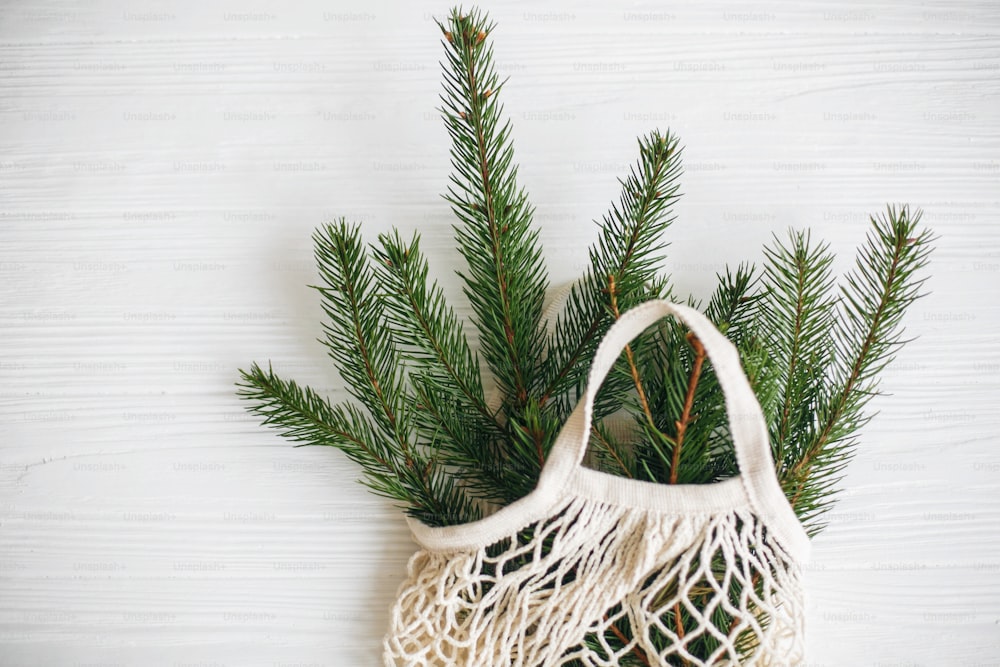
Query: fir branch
734, 306
445, 374
305, 417
366, 352
630, 357
434, 340
611, 449
679, 378
505, 279
867, 333
628, 251
800, 310
356, 337
301, 415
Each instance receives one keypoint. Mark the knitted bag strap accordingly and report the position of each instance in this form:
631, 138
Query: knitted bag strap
746, 421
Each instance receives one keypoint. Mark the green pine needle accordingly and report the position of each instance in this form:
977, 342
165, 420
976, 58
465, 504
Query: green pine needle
505, 279
437, 444
420, 422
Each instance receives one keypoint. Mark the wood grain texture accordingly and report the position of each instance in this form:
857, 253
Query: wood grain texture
162, 166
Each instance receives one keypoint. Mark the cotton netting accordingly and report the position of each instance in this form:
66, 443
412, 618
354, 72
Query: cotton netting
600, 585
598, 571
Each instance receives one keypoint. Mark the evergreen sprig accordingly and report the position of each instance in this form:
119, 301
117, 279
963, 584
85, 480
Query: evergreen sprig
382, 436
422, 424
625, 259
505, 279
800, 305
445, 374
813, 355
867, 333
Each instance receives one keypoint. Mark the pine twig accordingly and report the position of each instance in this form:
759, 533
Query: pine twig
506, 278
869, 332
639, 653
629, 248
682, 423
629, 356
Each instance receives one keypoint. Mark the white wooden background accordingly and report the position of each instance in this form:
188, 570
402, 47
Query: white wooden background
162, 165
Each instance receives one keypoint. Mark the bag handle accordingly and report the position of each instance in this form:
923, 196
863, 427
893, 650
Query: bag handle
746, 420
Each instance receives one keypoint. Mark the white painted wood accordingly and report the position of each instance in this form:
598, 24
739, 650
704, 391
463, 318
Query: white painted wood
162, 166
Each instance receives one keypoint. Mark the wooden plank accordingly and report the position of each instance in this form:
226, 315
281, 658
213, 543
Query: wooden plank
162, 168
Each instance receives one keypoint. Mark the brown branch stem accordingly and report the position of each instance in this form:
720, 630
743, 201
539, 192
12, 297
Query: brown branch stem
471, 43
679, 623
630, 357
611, 450
682, 423
639, 653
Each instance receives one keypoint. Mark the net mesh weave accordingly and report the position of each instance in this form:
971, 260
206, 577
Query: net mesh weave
603, 585
597, 571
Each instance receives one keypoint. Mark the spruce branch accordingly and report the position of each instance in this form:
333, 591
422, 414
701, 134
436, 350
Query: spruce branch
866, 336
505, 279
532, 433
305, 417
445, 374
681, 424
356, 338
301, 415
628, 251
370, 363
614, 455
630, 357
367, 354
734, 306
800, 311
432, 335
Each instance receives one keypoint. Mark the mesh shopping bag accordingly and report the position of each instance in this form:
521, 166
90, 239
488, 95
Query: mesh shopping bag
595, 569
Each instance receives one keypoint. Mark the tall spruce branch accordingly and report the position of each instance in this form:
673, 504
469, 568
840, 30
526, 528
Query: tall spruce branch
505, 279
629, 249
798, 297
867, 333
367, 354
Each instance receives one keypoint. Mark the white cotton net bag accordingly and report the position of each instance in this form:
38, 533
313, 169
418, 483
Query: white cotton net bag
592, 569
